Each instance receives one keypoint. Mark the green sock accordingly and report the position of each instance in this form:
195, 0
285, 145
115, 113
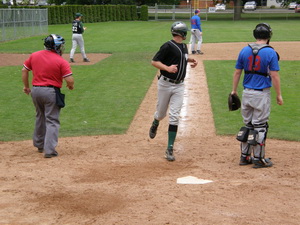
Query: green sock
156, 122
171, 139
172, 131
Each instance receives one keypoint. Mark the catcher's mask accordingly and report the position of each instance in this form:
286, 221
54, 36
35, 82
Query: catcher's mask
262, 31
55, 42
179, 28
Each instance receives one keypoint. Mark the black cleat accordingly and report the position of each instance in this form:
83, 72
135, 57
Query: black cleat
72, 60
169, 154
86, 60
245, 160
199, 52
50, 155
152, 131
262, 163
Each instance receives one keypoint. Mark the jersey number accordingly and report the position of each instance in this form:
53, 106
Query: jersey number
256, 66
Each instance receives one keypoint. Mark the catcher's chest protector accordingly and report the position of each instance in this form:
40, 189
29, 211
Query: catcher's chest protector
255, 49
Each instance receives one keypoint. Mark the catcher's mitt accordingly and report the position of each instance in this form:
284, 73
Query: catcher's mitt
234, 102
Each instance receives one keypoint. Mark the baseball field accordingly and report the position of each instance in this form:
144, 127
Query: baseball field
110, 172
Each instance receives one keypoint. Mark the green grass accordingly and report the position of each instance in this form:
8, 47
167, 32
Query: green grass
111, 37
284, 120
107, 94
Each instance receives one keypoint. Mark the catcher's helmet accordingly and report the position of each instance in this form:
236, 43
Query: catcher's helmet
55, 42
179, 28
262, 31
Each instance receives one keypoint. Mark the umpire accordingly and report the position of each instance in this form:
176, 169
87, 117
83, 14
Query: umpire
49, 70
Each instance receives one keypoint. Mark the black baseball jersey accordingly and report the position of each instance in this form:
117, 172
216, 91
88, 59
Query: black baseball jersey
77, 27
171, 53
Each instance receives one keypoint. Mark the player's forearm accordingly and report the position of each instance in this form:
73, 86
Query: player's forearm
70, 82
276, 82
159, 65
25, 75
236, 80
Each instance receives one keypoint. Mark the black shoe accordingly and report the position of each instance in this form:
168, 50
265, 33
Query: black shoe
169, 154
193, 52
262, 163
245, 160
86, 60
199, 52
40, 150
50, 155
153, 130
72, 60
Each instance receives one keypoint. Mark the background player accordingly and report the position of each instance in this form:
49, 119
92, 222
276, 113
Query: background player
260, 63
196, 33
171, 60
48, 69
77, 38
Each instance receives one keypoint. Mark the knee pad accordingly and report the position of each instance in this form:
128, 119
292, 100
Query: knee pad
242, 135
258, 135
252, 137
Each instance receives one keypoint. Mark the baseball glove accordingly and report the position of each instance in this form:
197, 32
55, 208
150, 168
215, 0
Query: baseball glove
234, 102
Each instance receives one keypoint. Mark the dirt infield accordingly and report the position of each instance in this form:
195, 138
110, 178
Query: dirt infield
124, 179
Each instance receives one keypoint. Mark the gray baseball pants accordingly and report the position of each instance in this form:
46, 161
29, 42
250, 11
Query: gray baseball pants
77, 39
170, 96
256, 110
47, 119
196, 36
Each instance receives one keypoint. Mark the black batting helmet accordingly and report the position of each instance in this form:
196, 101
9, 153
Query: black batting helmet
262, 31
55, 42
179, 28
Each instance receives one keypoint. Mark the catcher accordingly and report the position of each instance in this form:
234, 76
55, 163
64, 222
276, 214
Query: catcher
260, 64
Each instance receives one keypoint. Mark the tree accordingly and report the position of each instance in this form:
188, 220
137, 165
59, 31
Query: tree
237, 9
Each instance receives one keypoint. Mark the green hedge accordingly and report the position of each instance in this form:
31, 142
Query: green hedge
94, 13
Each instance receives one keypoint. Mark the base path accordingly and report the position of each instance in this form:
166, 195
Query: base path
124, 179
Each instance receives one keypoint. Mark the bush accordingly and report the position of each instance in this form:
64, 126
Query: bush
144, 13
94, 13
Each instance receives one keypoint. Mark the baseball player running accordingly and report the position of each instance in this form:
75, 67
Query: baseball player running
77, 38
260, 63
196, 33
171, 60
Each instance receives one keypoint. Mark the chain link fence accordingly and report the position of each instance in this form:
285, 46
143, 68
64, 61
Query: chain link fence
169, 12
176, 12
20, 23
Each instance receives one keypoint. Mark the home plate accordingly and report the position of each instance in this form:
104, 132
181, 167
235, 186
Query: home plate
192, 180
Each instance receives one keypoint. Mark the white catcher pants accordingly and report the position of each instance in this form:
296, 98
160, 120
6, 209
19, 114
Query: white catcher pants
196, 36
77, 39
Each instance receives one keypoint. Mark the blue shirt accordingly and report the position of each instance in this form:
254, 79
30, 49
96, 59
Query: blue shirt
266, 61
196, 22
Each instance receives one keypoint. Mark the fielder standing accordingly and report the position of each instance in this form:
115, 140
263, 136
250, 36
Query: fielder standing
260, 63
49, 70
196, 33
171, 60
77, 38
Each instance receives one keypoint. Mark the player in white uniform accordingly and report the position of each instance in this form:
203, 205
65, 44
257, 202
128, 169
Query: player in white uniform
77, 38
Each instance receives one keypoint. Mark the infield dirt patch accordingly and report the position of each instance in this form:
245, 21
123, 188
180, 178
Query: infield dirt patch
124, 179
